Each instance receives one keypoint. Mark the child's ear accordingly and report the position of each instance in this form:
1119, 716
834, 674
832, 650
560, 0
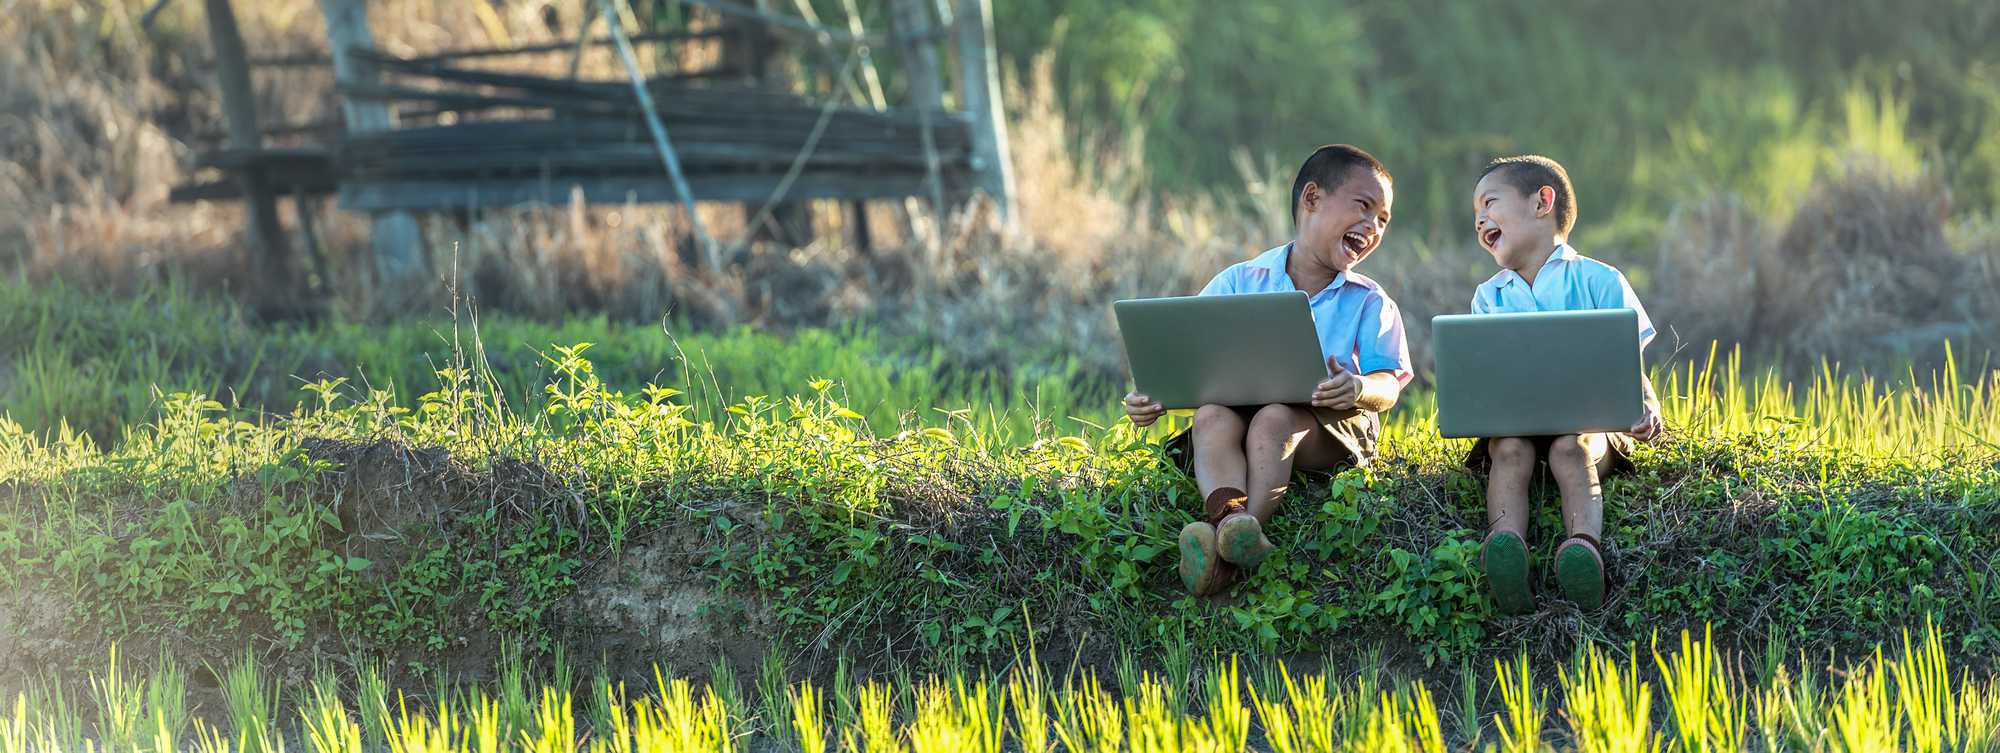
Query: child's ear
1545, 201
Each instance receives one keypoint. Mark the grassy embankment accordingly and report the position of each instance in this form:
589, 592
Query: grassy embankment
372, 520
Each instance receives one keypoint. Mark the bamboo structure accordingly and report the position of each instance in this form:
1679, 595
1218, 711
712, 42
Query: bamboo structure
428, 133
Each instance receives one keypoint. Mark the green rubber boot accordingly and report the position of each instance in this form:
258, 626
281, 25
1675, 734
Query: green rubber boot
1580, 570
1505, 557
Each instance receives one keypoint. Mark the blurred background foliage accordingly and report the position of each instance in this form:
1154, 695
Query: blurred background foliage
1648, 104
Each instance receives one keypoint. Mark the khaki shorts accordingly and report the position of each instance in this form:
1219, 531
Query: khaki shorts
1357, 431
1618, 445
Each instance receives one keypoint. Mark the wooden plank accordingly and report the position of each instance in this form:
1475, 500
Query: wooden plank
232, 158
232, 190
534, 49
672, 98
696, 157
436, 195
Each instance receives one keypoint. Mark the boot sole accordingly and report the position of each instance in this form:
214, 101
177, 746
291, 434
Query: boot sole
1241, 540
1199, 561
1505, 559
1581, 573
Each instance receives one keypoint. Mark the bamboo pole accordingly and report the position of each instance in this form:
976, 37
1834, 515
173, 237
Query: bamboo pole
710, 253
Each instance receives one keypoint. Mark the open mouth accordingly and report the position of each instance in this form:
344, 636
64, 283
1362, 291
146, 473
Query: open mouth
1490, 238
1354, 243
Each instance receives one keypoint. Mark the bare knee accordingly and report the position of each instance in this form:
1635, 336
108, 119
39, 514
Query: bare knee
1274, 420
1511, 451
1570, 450
1217, 423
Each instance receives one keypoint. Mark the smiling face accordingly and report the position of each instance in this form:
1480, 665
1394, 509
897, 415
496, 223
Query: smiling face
1514, 227
1341, 227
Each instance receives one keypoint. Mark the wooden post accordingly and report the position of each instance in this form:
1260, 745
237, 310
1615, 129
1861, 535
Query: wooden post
269, 260
753, 49
393, 235
913, 30
980, 76
857, 217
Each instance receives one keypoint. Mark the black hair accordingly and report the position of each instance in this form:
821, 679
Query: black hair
1329, 166
1527, 173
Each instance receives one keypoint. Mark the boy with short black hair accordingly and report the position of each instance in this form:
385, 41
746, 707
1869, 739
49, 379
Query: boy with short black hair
1524, 208
1243, 457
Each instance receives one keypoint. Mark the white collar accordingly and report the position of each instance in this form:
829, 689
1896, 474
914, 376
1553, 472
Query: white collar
1562, 253
1274, 260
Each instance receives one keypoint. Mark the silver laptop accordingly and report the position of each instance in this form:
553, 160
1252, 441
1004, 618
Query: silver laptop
1249, 349
1523, 375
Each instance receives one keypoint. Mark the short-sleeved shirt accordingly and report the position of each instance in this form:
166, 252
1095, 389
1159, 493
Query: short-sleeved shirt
1568, 281
1358, 324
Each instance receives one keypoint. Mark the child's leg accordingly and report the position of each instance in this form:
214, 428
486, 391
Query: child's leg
1505, 553
1218, 466
1277, 436
1513, 466
1574, 461
1282, 438
1218, 449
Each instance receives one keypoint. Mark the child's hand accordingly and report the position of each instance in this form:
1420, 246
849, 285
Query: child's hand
1338, 391
1143, 410
1649, 424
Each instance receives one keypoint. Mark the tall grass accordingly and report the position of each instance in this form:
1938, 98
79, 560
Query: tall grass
1911, 700
1859, 414
108, 368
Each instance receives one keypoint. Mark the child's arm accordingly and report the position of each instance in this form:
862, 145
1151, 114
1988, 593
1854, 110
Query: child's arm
1142, 410
1650, 423
1344, 390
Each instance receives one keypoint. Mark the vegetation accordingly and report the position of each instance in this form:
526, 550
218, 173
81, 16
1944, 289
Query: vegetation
908, 484
1648, 106
1832, 514
1708, 699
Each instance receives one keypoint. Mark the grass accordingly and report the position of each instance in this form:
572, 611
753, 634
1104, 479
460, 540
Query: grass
101, 365
1833, 512
482, 500
1906, 696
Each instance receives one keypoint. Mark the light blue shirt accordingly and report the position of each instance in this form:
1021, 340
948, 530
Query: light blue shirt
1568, 281
1358, 324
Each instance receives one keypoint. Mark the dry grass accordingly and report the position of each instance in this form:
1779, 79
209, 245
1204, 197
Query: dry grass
101, 118
1870, 267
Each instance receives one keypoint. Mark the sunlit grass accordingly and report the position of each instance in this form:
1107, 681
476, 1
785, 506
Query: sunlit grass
1907, 699
1919, 415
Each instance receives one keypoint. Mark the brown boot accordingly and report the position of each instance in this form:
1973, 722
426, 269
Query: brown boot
1238, 535
1203, 570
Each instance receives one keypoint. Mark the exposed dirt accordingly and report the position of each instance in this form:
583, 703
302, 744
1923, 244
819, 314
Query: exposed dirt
653, 604
649, 603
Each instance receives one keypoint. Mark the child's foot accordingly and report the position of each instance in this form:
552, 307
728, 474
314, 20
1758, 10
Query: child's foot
1505, 557
1241, 539
1203, 571
1580, 570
